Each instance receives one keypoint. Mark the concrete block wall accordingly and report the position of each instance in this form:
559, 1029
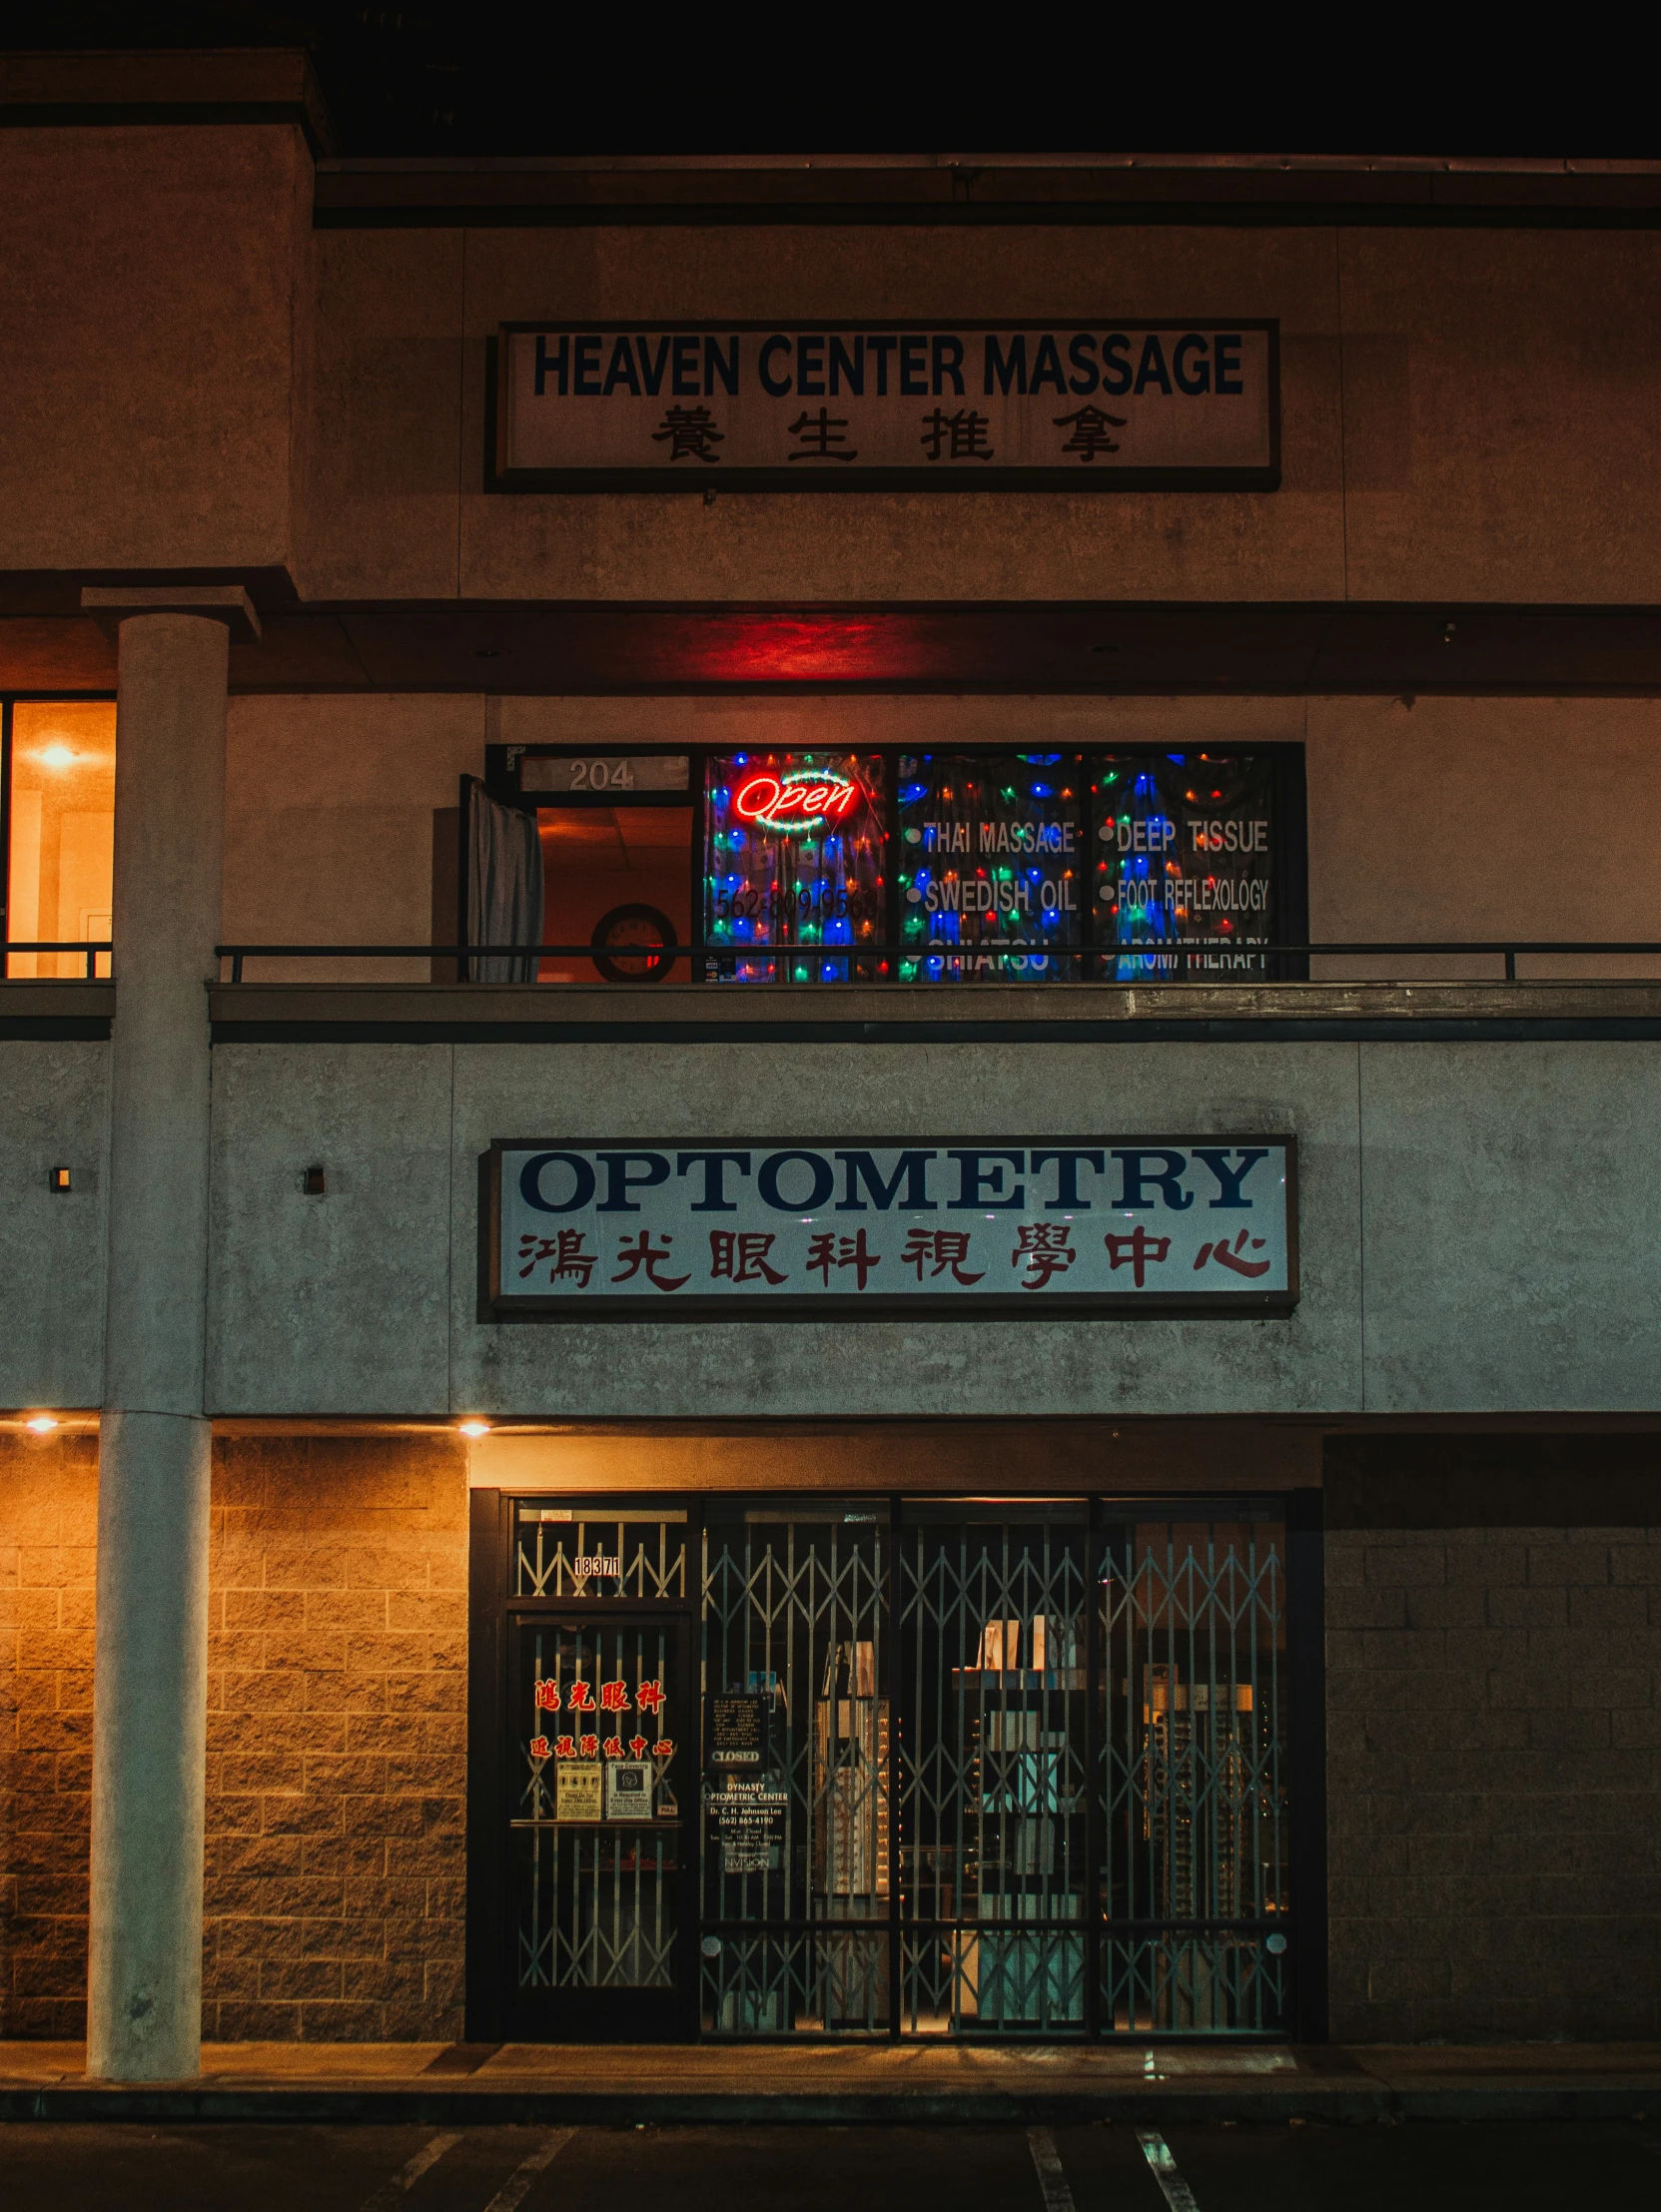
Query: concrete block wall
1494, 1779
48, 1523
1493, 1715
336, 1740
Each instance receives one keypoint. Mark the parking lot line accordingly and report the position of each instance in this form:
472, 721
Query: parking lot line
1174, 2189
397, 2185
1052, 2178
523, 2174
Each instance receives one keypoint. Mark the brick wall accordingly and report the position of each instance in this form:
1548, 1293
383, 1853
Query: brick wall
1494, 1756
336, 1740
48, 1514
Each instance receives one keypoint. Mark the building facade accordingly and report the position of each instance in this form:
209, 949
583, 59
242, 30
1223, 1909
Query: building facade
954, 1391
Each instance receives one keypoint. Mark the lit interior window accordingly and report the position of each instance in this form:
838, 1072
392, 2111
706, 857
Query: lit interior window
62, 834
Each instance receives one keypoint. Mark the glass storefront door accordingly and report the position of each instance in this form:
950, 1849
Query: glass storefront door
797, 1927
988, 1769
1194, 1865
993, 1819
602, 1725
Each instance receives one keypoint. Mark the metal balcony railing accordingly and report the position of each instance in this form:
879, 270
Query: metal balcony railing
1095, 963
1156, 964
91, 950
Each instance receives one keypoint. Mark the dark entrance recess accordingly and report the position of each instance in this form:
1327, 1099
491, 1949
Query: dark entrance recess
880, 1767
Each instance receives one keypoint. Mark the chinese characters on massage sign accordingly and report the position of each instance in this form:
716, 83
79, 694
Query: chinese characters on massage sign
1203, 1223
1081, 405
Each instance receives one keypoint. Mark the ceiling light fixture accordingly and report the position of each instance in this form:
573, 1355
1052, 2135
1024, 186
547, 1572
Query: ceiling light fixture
57, 756
473, 1428
42, 1423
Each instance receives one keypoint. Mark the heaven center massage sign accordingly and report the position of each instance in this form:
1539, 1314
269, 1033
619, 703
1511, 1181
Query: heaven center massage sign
801, 1229
1087, 405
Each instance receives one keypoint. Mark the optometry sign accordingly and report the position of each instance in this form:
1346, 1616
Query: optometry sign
1081, 405
794, 1230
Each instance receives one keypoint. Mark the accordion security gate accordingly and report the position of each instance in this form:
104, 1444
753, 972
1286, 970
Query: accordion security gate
603, 1711
1026, 1772
797, 1925
1013, 1770
1194, 1930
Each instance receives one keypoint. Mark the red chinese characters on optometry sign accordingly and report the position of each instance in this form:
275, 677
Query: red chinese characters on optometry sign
1201, 1221
1232, 1256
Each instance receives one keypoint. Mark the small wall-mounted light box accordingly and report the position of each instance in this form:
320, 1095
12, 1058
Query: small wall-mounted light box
58, 1178
315, 1183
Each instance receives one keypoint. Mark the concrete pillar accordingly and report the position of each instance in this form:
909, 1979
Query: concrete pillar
150, 1685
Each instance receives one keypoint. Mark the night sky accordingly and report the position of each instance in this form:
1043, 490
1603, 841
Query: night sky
448, 79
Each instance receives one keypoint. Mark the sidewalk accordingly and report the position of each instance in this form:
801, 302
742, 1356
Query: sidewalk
615, 2085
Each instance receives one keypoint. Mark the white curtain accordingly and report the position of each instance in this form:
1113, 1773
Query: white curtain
504, 888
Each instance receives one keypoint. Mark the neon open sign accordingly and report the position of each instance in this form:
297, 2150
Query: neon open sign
801, 800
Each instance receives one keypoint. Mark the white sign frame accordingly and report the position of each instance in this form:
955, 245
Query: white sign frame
770, 406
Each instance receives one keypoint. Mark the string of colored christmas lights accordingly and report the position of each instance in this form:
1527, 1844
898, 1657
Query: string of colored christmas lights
992, 874
793, 865
1186, 858
990, 848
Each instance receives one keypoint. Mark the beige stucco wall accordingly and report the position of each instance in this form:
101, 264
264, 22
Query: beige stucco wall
1288, 545
154, 334
1461, 819
1464, 417
192, 376
380, 460
329, 806
1501, 439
